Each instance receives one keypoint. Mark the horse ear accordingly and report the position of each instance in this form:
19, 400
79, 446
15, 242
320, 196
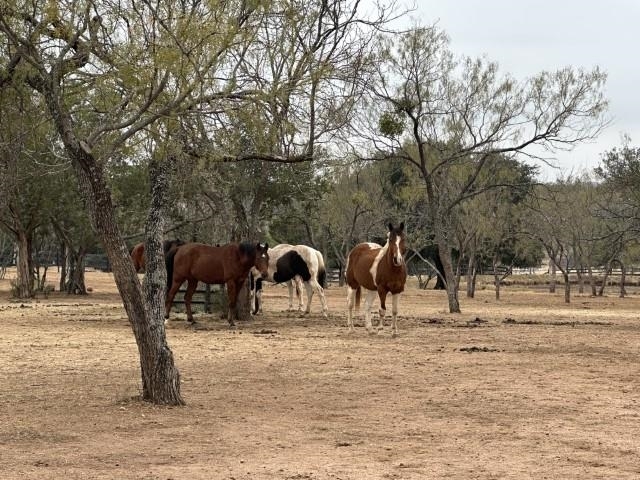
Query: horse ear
390, 227
401, 226
266, 246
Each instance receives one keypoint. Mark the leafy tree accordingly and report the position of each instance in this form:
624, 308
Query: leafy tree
620, 171
492, 221
444, 117
26, 168
354, 210
548, 222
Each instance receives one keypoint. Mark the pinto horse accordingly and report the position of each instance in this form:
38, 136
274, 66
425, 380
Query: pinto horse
297, 265
227, 264
137, 252
377, 269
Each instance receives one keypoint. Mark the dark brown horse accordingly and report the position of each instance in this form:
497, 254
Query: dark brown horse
228, 264
377, 269
137, 252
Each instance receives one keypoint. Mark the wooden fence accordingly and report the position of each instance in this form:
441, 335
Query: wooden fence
203, 300
333, 276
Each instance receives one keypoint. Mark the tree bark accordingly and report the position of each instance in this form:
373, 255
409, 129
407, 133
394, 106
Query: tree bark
62, 265
447, 264
496, 277
243, 303
580, 280
552, 273
603, 285
24, 281
592, 282
471, 276
160, 378
623, 280
567, 287
76, 284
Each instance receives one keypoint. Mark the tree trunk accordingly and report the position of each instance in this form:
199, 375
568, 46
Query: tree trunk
471, 275
42, 280
552, 273
607, 272
580, 280
160, 378
496, 276
474, 278
243, 304
76, 284
24, 281
623, 279
567, 287
62, 264
447, 264
592, 282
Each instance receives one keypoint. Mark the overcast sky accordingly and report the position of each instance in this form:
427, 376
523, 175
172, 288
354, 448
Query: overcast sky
526, 37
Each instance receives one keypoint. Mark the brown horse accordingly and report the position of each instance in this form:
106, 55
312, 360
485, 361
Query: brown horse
377, 269
137, 252
227, 264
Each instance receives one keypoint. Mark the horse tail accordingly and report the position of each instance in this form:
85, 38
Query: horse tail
322, 277
358, 296
322, 272
168, 262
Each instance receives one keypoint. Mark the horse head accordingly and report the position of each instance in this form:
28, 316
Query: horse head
261, 262
397, 247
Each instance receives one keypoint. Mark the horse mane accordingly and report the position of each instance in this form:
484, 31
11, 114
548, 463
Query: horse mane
169, 244
248, 249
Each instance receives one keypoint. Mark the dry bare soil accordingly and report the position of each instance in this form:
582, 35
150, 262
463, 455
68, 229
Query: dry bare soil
524, 388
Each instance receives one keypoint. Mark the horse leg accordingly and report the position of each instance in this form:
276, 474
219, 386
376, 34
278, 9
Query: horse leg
309, 291
298, 283
316, 287
232, 295
382, 293
394, 312
368, 301
175, 286
351, 300
191, 287
290, 287
259, 301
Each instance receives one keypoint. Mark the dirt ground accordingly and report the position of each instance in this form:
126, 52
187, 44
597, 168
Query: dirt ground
524, 388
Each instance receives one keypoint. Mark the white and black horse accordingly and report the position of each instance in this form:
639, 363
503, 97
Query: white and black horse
295, 264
